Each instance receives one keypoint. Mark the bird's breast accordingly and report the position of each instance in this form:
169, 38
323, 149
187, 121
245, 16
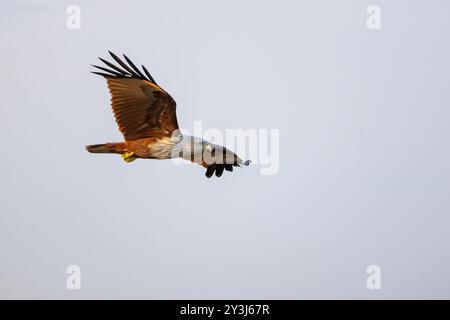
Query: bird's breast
161, 148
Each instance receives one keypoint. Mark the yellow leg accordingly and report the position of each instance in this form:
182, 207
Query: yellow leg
128, 156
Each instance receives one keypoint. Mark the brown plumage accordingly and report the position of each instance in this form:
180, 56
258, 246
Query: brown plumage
146, 116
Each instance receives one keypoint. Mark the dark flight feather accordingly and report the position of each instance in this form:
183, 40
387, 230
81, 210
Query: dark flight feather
219, 170
130, 71
103, 74
210, 171
108, 70
109, 64
148, 75
134, 67
123, 65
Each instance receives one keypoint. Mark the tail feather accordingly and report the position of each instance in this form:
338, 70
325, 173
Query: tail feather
105, 148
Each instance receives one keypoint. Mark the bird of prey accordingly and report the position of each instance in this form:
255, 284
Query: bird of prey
146, 116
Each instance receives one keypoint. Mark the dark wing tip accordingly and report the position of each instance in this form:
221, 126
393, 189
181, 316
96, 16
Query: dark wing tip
112, 55
112, 72
210, 171
247, 163
124, 66
102, 74
219, 170
148, 75
123, 70
131, 64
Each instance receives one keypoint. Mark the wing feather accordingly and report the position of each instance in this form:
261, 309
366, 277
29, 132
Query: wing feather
142, 109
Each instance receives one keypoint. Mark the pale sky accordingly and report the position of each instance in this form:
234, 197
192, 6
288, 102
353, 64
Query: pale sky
364, 177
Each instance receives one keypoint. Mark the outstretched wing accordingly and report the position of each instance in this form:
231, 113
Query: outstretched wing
215, 159
142, 108
221, 163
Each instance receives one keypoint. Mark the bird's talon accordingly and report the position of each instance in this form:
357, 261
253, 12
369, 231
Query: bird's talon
128, 157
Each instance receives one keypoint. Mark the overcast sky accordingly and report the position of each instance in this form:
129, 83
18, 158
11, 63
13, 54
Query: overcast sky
364, 176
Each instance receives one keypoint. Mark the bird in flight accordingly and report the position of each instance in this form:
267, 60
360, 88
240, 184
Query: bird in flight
146, 116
